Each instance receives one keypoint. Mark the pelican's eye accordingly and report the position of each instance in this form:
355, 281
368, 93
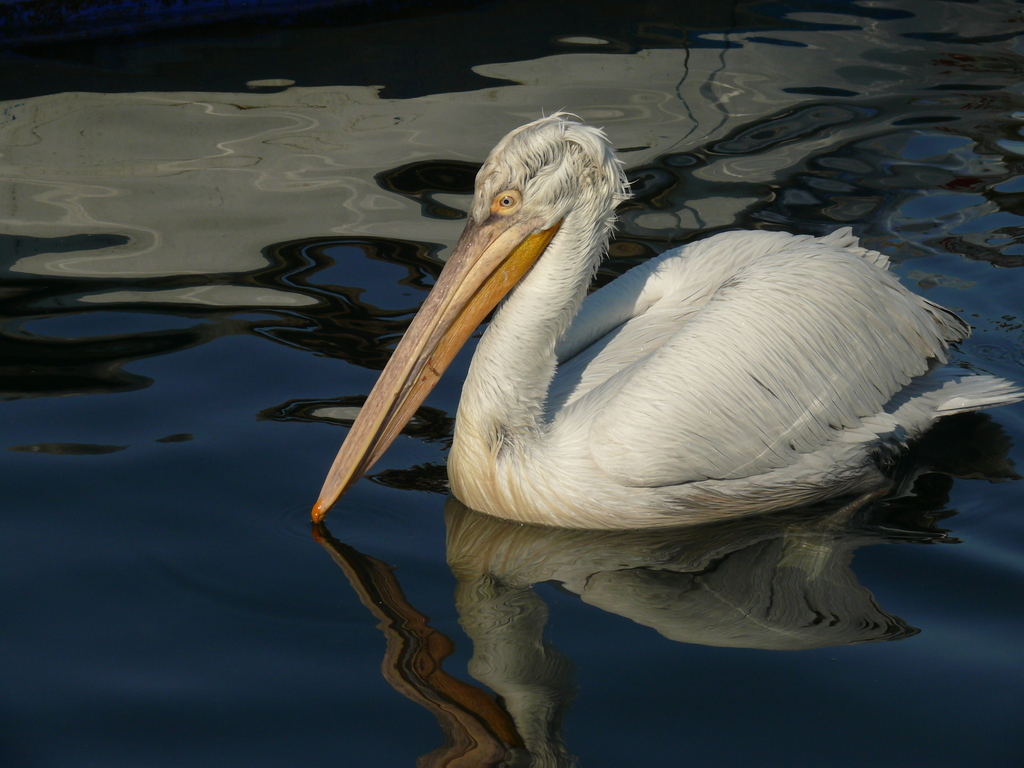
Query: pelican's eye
506, 202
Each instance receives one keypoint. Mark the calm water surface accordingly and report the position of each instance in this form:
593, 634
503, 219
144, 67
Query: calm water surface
211, 239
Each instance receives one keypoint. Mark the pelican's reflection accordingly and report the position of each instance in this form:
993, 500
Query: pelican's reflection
778, 584
781, 582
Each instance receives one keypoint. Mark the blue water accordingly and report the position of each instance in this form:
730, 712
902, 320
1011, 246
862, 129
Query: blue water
212, 237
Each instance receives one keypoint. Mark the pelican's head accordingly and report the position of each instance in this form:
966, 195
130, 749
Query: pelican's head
535, 179
558, 167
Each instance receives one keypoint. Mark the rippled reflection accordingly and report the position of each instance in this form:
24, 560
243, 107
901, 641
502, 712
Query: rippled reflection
166, 202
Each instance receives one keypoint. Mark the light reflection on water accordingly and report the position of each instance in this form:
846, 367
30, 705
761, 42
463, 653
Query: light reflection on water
200, 285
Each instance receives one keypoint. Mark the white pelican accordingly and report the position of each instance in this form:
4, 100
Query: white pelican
744, 372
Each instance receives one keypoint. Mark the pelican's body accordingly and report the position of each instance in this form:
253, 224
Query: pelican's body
744, 372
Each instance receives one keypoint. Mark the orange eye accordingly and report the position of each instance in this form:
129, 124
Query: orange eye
507, 201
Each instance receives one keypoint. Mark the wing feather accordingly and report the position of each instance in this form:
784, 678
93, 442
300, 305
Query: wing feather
764, 346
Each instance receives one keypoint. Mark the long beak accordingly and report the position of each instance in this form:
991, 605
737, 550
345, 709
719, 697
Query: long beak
489, 259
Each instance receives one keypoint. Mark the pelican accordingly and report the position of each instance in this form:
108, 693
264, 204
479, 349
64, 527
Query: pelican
745, 372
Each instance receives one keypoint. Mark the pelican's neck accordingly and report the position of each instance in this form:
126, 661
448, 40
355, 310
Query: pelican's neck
506, 388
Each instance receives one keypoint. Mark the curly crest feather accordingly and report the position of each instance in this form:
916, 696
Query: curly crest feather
556, 163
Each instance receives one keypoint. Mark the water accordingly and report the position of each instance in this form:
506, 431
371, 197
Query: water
204, 268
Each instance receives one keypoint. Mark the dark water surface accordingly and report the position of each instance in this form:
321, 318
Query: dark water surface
210, 240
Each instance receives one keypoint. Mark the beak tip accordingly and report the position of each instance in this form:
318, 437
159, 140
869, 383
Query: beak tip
319, 511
